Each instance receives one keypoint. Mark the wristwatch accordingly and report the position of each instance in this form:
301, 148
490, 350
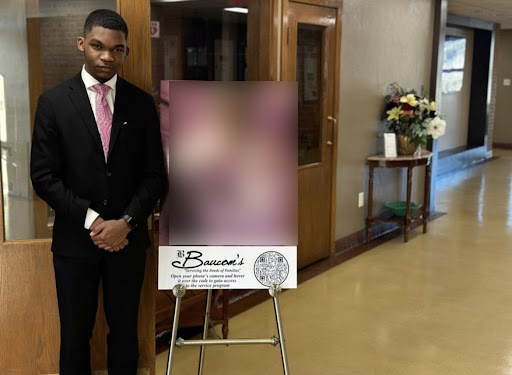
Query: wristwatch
129, 220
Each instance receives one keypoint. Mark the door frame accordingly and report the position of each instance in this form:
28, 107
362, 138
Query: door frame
338, 6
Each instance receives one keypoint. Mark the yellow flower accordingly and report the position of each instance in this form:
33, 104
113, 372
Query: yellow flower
409, 99
394, 114
432, 107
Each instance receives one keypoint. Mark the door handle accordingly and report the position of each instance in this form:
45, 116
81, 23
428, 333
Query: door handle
334, 122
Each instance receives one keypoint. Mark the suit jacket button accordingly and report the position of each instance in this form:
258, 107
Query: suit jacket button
105, 202
109, 173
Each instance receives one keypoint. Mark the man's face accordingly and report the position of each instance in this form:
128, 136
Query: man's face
104, 52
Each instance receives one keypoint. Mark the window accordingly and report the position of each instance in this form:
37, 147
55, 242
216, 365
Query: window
453, 65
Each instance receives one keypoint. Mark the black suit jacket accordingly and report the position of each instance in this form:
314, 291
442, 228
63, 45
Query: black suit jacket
69, 171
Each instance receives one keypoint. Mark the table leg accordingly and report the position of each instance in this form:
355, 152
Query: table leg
407, 222
426, 198
370, 206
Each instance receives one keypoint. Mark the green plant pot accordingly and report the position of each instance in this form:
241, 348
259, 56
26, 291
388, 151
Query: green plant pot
398, 208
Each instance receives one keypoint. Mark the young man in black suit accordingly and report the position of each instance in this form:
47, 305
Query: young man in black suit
97, 160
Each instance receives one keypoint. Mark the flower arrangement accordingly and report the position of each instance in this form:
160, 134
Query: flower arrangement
411, 115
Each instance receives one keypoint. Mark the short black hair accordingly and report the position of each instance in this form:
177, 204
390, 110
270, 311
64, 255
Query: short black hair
107, 19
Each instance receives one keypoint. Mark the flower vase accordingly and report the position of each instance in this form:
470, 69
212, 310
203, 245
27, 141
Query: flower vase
405, 145
417, 153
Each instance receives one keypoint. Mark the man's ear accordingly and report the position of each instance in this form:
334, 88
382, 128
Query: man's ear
80, 43
127, 51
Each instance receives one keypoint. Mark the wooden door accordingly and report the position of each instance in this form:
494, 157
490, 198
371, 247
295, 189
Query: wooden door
309, 57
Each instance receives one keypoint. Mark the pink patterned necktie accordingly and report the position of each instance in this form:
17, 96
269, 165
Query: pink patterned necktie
103, 116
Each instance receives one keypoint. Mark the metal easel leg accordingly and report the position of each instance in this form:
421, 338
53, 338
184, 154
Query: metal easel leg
275, 291
205, 330
178, 291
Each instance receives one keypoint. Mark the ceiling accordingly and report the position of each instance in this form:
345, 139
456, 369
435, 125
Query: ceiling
497, 11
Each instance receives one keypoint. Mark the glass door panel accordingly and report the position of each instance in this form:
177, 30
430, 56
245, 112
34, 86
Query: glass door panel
309, 76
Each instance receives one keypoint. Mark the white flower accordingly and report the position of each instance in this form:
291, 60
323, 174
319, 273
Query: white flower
436, 127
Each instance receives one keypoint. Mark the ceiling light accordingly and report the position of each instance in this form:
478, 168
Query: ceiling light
237, 10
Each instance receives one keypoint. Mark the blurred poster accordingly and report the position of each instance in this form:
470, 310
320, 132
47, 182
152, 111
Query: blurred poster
232, 166
232, 163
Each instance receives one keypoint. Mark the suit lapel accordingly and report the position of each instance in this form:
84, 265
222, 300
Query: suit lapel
117, 120
80, 99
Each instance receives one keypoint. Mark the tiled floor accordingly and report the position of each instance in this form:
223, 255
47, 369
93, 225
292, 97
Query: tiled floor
440, 304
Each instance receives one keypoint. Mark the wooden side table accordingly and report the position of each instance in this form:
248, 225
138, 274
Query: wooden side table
402, 161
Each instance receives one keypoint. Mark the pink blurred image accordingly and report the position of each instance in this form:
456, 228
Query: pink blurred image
232, 163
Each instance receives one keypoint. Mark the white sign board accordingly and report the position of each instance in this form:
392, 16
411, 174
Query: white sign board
227, 267
155, 29
390, 145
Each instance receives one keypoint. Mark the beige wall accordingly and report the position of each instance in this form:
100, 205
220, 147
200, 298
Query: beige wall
382, 41
455, 105
503, 124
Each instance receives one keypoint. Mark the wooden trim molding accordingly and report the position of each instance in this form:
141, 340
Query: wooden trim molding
336, 115
322, 3
262, 29
504, 146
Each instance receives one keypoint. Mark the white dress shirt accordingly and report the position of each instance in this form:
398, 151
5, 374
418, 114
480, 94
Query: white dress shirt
89, 82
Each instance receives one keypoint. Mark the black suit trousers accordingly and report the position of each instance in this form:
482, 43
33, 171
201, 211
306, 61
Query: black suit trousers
77, 280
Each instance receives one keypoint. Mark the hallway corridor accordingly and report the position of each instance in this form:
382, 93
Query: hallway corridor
440, 304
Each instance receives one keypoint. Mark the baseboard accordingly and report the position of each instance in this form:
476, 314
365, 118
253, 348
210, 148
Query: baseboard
141, 371
461, 160
505, 146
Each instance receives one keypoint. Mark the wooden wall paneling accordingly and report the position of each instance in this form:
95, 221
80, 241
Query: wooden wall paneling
29, 322
262, 30
137, 69
285, 37
47, 326
266, 30
277, 22
253, 41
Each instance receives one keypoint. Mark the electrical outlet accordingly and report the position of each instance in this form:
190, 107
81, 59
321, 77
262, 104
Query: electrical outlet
361, 199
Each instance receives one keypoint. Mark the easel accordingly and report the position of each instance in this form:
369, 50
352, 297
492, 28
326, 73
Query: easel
180, 290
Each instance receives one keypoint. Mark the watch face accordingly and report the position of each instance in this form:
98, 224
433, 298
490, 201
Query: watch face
128, 220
